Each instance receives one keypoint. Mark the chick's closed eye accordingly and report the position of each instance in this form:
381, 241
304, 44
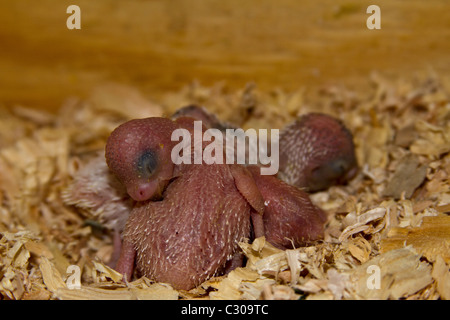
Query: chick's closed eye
147, 164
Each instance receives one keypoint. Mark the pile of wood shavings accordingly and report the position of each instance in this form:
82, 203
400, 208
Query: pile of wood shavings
394, 215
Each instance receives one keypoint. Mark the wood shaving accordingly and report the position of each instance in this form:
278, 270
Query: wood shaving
391, 220
408, 175
402, 275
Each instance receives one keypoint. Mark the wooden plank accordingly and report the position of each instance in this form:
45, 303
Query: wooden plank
431, 239
162, 45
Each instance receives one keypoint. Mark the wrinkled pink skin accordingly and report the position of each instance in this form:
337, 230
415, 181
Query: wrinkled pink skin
126, 145
191, 234
316, 152
290, 218
205, 210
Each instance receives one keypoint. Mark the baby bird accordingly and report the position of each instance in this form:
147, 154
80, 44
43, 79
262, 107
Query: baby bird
205, 209
316, 152
184, 221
